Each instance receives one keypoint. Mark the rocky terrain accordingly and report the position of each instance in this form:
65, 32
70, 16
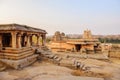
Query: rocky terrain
47, 69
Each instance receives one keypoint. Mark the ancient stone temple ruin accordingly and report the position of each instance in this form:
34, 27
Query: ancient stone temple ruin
16, 44
87, 44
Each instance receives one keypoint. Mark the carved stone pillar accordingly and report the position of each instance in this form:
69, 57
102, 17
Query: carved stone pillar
28, 41
43, 40
38, 40
13, 39
19, 40
31, 42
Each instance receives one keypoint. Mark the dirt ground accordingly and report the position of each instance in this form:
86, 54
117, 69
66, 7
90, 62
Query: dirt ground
100, 70
42, 71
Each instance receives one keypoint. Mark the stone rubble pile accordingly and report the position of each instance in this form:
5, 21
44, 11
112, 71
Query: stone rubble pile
59, 60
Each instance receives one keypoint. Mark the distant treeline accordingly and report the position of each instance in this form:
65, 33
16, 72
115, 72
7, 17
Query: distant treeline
102, 38
108, 40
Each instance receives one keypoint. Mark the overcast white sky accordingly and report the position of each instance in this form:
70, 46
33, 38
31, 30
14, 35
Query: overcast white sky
69, 16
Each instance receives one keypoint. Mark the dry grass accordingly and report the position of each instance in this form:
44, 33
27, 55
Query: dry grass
90, 74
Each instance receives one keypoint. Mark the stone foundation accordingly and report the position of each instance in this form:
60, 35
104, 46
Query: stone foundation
16, 54
16, 64
18, 58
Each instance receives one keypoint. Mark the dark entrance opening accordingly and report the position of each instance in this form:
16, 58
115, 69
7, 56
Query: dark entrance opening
6, 39
23, 42
78, 47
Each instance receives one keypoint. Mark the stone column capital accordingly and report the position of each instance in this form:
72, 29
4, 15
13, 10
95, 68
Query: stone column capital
38, 35
13, 33
28, 35
19, 35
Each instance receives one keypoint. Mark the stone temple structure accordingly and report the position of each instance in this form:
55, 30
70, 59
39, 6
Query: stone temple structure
16, 44
87, 44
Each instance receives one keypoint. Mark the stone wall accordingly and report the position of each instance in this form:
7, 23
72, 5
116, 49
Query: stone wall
61, 46
114, 54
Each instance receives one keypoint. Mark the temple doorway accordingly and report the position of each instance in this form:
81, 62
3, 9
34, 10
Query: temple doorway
77, 47
6, 39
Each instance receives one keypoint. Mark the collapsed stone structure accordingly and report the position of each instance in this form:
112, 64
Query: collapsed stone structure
59, 37
16, 44
87, 44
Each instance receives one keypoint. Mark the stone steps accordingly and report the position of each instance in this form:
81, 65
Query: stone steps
16, 57
21, 53
54, 58
15, 51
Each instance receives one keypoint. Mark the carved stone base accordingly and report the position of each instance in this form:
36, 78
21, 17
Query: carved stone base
16, 64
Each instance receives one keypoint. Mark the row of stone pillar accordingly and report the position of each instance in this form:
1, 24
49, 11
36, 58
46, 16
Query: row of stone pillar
16, 40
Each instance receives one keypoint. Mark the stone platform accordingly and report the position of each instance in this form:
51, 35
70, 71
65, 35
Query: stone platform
16, 64
18, 58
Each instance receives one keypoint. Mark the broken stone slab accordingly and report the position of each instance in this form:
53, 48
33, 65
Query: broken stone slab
82, 66
51, 56
59, 59
55, 57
